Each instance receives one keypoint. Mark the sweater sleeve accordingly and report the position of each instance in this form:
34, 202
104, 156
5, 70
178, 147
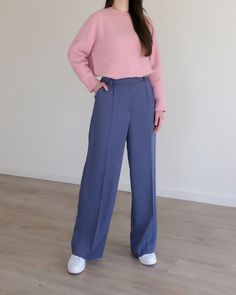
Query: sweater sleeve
156, 77
79, 52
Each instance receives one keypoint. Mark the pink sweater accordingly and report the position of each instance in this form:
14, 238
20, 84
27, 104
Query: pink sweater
107, 45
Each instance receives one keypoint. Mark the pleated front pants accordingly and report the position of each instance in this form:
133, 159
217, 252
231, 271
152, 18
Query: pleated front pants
123, 114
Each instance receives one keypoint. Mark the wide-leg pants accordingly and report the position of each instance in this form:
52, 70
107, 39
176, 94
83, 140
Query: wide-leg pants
123, 114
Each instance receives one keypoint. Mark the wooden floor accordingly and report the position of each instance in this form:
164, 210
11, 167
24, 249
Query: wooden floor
196, 246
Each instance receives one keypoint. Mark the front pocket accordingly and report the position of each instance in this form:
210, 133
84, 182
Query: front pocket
151, 93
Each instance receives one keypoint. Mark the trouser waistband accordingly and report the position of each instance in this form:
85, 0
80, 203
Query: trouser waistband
125, 80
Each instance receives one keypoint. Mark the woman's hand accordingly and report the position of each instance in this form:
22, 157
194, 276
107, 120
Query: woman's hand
100, 85
159, 117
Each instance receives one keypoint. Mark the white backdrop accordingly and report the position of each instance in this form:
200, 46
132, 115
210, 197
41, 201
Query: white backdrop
45, 110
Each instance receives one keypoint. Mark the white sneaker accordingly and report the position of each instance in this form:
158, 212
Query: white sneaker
76, 264
148, 259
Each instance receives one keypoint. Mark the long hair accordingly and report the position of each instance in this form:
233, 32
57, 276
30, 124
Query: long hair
139, 20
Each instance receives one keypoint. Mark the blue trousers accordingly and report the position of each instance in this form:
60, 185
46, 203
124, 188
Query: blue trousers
123, 114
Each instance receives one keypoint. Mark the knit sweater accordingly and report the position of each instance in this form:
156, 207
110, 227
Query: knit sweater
107, 45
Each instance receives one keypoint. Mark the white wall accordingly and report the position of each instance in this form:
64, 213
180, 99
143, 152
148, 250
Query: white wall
45, 110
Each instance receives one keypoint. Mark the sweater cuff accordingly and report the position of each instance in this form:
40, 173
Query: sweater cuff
159, 107
91, 83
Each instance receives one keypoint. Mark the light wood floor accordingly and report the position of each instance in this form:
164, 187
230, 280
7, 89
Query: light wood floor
196, 246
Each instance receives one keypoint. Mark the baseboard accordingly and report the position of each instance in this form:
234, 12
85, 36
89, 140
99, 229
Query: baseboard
209, 198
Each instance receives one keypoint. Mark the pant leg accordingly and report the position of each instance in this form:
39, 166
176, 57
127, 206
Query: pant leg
141, 142
107, 136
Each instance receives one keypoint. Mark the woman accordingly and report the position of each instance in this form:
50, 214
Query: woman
118, 43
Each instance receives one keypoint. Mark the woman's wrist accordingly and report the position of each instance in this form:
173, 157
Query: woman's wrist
96, 87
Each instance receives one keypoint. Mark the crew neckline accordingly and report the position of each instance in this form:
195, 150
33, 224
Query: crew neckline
117, 11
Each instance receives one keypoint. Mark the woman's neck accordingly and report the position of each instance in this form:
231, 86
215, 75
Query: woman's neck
121, 5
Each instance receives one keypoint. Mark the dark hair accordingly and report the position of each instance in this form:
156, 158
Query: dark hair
136, 11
